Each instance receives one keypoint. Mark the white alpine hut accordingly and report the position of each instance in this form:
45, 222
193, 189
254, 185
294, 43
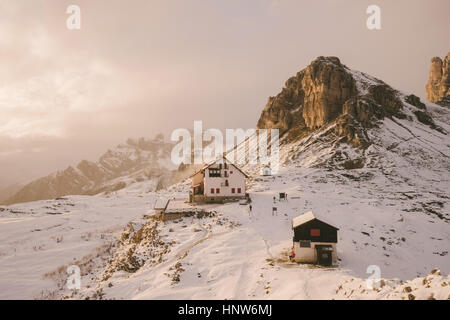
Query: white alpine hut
218, 182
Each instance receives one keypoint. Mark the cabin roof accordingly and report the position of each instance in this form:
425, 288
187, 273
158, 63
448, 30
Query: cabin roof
161, 204
306, 217
302, 219
209, 165
177, 205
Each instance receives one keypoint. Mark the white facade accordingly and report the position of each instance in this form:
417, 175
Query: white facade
309, 255
221, 179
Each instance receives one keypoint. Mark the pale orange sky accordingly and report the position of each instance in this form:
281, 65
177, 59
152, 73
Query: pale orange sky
140, 67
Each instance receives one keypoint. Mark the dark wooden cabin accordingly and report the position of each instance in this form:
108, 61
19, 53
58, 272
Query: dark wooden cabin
314, 240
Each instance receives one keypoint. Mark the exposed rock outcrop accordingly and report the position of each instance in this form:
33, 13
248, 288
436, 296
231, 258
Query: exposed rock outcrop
333, 117
327, 91
311, 98
438, 87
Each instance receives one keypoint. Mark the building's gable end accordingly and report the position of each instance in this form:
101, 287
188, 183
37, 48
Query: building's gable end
238, 170
306, 231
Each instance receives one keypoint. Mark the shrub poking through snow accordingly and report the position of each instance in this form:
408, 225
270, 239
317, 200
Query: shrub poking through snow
138, 245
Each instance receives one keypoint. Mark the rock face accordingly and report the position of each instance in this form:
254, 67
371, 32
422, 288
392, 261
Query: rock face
327, 91
438, 87
333, 117
133, 161
311, 98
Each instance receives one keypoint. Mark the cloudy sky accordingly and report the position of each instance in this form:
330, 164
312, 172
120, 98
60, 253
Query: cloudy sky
139, 67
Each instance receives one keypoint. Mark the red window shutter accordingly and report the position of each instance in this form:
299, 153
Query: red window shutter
233, 190
217, 190
315, 232
239, 190
212, 190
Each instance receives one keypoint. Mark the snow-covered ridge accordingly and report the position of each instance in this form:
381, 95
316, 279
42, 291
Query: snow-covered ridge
133, 161
384, 220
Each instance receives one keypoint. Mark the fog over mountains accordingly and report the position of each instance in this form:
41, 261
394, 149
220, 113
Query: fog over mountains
135, 160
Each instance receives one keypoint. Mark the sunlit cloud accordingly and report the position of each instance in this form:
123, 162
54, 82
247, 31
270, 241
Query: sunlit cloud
40, 105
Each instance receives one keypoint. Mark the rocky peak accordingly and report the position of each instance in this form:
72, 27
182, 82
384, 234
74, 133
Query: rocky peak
328, 92
438, 87
332, 116
311, 98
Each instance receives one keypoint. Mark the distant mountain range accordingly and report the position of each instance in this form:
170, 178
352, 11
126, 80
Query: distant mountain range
9, 191
133, 161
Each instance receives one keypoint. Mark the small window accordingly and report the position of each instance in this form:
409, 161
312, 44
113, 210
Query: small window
226, 183
239, 190
305, 244
214, 173
217, 190
315, 232
212, 190
233, 190
231, 172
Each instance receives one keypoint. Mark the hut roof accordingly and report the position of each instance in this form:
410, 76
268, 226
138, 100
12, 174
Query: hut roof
307, 217
302, 219
212, 163
161, 204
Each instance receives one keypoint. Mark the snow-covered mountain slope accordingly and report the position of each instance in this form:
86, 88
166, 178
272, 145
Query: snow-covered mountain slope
234, 253
135, 160
332, 116
38, 237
